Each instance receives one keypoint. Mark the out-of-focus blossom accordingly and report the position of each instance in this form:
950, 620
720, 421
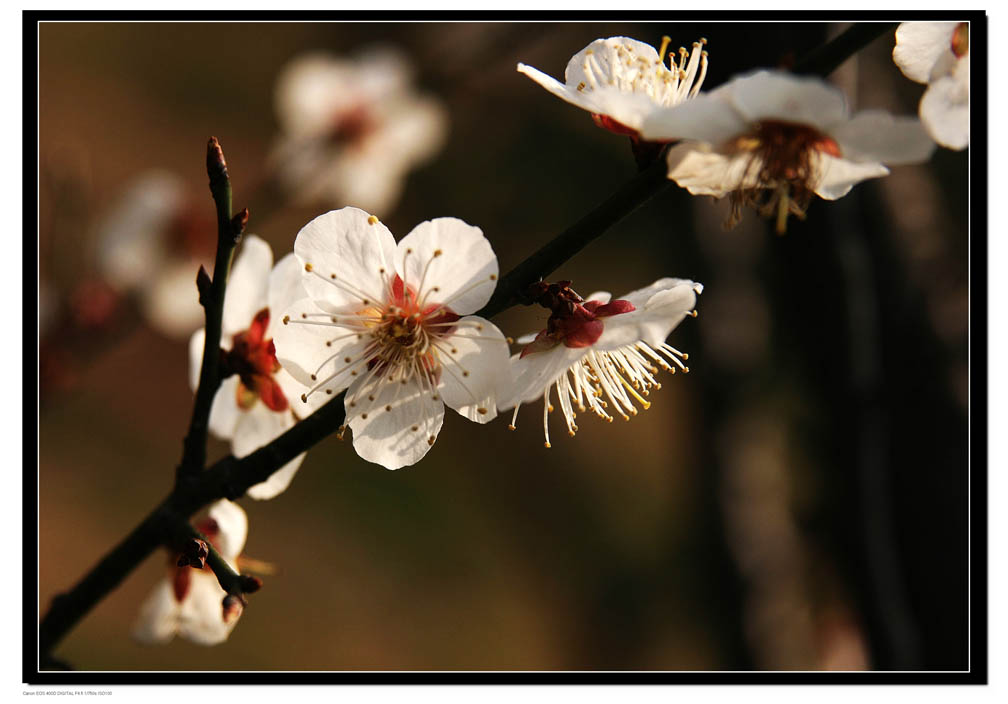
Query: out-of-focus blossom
251, 407
772, 140
937, 53
352, 129
385, 322
600, 354
152, 243
621, 81
189, 601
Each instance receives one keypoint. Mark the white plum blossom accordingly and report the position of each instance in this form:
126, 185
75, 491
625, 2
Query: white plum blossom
937, 53
620, 81
151, 243
252, 406
353, 128
771, 140
389, 323
602, 355
189, 601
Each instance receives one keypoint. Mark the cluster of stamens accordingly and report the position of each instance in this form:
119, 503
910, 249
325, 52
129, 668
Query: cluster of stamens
632, 73
604, 381
782, 172
406, 344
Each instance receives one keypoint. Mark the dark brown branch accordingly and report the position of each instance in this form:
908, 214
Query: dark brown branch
229, 232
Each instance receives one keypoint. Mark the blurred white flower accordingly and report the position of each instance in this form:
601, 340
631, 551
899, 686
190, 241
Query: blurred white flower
189, 601
384, 321
152, 243
771, 140
602, 355
937, 53
251, 407
620, 81
352, 129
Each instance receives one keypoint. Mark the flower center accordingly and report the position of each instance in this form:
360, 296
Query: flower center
253, 358
783, 169
960, 40
351, 126
407, 330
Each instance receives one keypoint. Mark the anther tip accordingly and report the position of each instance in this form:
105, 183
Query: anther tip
510, 427
372, 219
481, 411
307, 266
547, 445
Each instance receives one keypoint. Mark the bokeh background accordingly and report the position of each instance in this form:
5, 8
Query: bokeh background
797, 501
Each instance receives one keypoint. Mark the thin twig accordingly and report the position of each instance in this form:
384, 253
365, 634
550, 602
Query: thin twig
229, 233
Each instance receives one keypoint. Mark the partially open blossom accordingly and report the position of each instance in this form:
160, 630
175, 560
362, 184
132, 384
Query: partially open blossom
772, 140
251, 407
151, 243
620, 81
937, 53
189, 602
352, 129
602, 355
385, 322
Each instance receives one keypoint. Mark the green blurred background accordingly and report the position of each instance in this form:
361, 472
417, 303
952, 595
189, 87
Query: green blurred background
798, 501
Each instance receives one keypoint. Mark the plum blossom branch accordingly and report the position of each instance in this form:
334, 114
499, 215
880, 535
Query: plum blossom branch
827, 58
211, 294
230, 581
230, 477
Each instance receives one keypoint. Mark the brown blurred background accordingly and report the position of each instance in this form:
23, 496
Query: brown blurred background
798, 501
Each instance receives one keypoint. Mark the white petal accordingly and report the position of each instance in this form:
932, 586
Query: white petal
285, 289
607, 61
582, 99
600, 296
345, 243
158, 620
353, 176
462, 271
201, 614
224, 411
131, 245
302, 350
247, 287
704, 172
945, 110
233, 525
196, 344
387, 437
412, 129
258, 427
659, 308
920, 45
710, 117
839, 175
875, 135
170, 300
772, 95
534, 372
475, 369
292, 391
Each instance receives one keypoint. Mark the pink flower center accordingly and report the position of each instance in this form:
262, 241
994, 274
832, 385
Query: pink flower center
407, 327
574, 322
253, 358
